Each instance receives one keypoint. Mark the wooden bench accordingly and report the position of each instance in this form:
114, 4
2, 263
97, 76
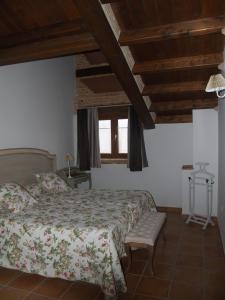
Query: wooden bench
145, 235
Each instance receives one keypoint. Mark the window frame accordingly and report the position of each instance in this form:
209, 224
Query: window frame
113, 114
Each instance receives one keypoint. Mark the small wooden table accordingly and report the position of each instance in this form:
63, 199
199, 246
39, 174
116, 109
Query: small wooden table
76, 178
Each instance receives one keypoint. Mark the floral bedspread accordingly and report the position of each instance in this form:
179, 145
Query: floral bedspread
75, 235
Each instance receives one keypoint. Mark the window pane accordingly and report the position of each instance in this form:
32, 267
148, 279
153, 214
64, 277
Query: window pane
105, 136
122, 135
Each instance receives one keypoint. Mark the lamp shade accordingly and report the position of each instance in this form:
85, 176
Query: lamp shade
216, 83
68, 157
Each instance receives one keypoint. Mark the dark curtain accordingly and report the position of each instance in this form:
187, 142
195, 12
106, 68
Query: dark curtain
93, 134
82, 140
137, 158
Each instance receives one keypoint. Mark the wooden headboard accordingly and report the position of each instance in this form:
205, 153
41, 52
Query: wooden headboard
20, 164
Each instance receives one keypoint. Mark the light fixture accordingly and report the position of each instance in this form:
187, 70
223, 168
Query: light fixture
216, 84
68, 159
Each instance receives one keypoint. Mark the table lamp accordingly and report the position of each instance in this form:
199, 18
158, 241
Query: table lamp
68, 159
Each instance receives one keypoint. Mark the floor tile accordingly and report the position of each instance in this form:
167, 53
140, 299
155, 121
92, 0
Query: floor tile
193, 276
166, 246
8, 293
34, 296
186, 260
214, 263
171, 236
137, 267
212, 251
165, 257
153, 287
52, 287
122, 296
215, 293
126, 296
162, 271
190, 249
140, 254
132, 281
27, 281
141, 297
181, 291
7, 275
215, 279
81, 291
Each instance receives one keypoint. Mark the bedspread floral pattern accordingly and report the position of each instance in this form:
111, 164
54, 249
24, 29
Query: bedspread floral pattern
34, 189
75, 235
14, 197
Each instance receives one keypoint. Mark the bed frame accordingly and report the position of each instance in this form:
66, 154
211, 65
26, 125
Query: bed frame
20, 164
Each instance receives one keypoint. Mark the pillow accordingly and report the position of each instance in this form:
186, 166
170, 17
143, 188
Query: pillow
14, 197
34, 189
51, 182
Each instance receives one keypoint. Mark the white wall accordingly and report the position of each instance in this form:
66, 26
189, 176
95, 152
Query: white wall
221, 192
36, 106
168, 147
205, 148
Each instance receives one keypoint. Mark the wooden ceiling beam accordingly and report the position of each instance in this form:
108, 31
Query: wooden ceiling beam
94, 71
94, 16
179, 63
171, 31
61, 46
183, 105
167, 119
44, 33
109, 1
180, 87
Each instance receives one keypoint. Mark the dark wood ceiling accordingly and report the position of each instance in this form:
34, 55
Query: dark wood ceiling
176, 46
165, 50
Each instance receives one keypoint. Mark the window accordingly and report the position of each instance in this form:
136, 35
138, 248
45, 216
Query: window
113, 132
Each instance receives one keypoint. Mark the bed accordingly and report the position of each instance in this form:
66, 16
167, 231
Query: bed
74, 235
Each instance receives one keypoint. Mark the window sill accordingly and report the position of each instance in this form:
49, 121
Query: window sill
114, 161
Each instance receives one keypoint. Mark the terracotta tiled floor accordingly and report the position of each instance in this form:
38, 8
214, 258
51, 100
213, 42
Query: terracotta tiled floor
189, 266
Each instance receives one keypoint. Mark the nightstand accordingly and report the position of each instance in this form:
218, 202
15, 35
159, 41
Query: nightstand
76, 178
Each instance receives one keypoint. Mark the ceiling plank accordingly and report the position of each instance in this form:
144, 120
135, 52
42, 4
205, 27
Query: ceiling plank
180, 87
102, 84
93, 14
183, 105
66, 45
178, 63
171, 31
44, 33
167, 119
94, 71
109, 1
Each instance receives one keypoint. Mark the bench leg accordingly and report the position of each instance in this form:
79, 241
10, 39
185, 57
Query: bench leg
152, 255
129, 257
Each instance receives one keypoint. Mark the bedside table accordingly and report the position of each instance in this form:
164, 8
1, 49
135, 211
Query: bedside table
76, 178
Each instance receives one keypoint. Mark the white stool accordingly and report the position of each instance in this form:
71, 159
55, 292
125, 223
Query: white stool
145, 234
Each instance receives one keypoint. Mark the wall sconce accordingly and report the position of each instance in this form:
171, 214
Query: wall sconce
216, 84
68, 159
